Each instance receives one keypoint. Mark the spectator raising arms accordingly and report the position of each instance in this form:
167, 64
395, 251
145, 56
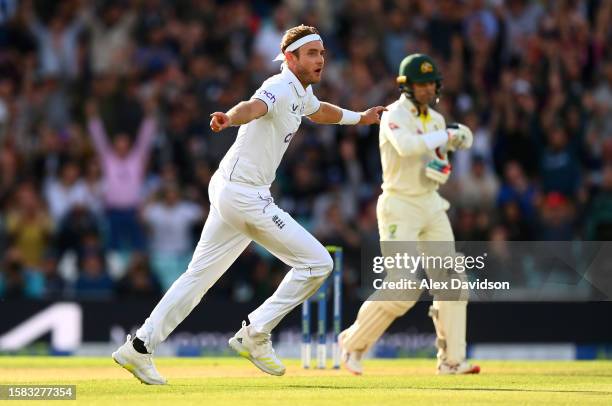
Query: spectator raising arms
123, 167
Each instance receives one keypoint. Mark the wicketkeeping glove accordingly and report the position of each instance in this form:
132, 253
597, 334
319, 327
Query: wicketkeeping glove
460, 136
439, 168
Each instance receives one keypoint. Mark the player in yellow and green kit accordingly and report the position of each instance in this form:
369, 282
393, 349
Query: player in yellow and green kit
414, 144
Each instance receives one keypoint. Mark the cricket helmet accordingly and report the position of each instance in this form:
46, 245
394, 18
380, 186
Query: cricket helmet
418, 68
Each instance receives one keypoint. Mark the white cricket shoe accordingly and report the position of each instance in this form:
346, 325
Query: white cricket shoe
140, 365
350, 360
463, 368
257, 348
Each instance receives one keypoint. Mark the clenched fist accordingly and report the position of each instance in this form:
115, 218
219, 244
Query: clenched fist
219, 121
372, 115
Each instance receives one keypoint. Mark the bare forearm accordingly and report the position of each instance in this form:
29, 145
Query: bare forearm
146, 134
330, 114
242, 113
98, 134
327, 114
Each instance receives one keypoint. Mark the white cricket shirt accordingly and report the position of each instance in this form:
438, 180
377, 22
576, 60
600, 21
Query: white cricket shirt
261, 144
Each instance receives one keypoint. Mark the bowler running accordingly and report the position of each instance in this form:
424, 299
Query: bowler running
242, 210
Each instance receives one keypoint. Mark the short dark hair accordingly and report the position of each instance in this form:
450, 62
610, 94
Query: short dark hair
295, 33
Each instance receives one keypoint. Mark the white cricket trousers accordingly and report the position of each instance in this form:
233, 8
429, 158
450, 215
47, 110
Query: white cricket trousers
238, 215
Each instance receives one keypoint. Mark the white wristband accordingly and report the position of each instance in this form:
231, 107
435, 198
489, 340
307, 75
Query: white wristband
435, 139
349, 117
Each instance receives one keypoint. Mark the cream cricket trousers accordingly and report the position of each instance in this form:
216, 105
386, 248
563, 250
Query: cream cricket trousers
238, 215
409, 219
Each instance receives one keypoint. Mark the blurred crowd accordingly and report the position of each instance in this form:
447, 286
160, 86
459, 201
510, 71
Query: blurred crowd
106, 153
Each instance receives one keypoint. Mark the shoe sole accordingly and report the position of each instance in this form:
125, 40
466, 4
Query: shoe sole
130, 368
243, 352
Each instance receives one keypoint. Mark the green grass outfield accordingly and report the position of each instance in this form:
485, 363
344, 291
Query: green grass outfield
235, 382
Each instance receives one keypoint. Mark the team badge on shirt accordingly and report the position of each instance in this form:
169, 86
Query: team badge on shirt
392, 231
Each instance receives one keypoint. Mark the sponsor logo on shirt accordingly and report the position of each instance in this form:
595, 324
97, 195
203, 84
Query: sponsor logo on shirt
297, 107
277, 220
393, 126
269, 95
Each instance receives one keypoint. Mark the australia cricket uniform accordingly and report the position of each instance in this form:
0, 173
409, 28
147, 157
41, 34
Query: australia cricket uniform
409, 210
242, 210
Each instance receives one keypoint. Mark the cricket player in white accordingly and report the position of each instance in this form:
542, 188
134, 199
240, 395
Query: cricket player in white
414, 141
242, 210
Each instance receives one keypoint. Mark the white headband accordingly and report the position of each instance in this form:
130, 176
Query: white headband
295, 45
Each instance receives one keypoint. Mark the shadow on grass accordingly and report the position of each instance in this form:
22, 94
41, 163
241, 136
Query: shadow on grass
454, 389
420, 388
